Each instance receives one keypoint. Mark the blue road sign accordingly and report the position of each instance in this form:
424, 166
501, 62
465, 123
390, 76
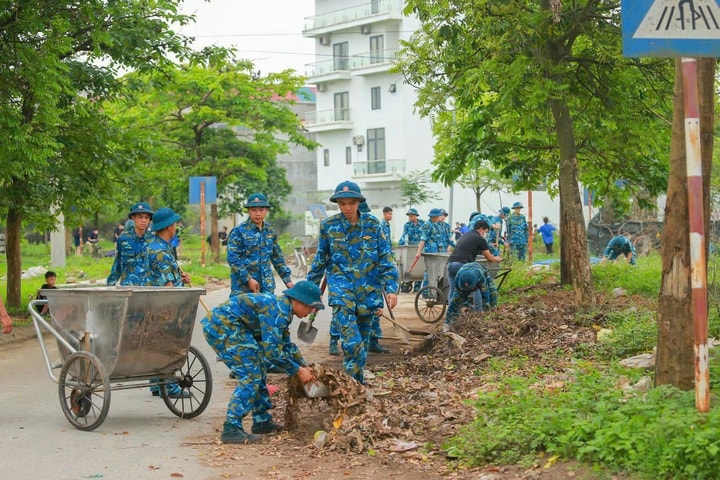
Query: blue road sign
210, 188
671, 28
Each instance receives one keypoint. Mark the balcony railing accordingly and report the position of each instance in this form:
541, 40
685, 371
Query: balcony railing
327, 67
379, 167
392, 8
327, 117
374, 58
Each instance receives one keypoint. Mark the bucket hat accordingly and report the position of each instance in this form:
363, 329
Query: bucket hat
163, 218
307, 293
257, 200
435, 212
517, 205
466, 280
140, 207
505, 210
364, 207
444, 212
413, 211
347, 189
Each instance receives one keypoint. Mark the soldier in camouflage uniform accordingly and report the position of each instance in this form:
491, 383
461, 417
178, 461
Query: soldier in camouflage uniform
253, 251
130, 265
517, 231
245, 331
469, 278
436, 237
496, 230
357, 259
412, 233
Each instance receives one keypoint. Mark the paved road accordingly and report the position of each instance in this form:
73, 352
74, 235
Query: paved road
140, 439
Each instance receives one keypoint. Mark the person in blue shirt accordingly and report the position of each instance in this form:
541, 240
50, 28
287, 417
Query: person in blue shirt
517, 232
385, 223
546, 232
620, 245
356, 258
130, 264
249, 331
253, 251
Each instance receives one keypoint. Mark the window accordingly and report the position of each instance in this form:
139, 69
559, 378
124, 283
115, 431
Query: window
341, 102
326, 157
375, 98
374, 6
376, 150
341, 54
377, 49
348, 155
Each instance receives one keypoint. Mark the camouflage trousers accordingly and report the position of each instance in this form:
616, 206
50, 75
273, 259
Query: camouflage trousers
375, 330
245, 358
354, 329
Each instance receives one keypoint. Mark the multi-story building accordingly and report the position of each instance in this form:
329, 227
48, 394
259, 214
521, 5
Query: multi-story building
365, 118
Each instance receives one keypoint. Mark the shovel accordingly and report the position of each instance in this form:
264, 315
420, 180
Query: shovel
306, 332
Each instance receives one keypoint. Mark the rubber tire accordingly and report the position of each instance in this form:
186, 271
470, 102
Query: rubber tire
430, 310
82, 411
196, 377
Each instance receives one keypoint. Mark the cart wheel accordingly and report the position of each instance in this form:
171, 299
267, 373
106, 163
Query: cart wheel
84, 390
406, 287
194, 377
430, 304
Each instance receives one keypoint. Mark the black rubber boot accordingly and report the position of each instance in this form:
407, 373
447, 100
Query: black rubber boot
233, 434
265, 427
375, 347
334, 349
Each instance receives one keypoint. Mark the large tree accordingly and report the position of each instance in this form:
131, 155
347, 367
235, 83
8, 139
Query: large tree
543, 89
58, 59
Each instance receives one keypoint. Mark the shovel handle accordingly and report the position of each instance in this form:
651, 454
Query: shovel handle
202, 302
412, 266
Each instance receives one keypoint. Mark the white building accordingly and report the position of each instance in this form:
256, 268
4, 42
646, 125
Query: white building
365, 118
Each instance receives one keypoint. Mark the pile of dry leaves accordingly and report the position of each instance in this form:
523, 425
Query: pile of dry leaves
420, 401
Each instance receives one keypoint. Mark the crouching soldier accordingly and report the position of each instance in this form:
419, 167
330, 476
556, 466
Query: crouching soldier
247, 330
470, 277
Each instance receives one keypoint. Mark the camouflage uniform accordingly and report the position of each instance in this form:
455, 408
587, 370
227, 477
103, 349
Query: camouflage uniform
385, 225
253, 252
412, 233
162, 266
495, 235
130, 266
437, 237
517, 234
620, 245
357, 260
470, 277
244, 331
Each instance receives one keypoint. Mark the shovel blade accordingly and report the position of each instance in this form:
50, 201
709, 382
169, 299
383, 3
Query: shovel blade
306, 332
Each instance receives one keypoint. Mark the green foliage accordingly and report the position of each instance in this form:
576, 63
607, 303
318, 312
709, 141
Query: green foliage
415, 189
633, 332
658, 435
642, 279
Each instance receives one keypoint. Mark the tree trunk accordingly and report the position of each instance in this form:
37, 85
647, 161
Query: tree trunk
574, 256
14, 257
214, 243
675, 358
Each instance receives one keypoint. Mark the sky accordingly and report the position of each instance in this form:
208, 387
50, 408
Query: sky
267, 32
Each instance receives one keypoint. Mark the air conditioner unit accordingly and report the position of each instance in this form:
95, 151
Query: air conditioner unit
358, 140
322, 87
324, 40
365, 29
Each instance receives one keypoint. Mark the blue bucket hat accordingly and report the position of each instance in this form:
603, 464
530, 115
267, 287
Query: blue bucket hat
347, 189
163, 218
364, 207
257, 200
505, 210
517, 205
476, 218
435, 212
140, 207
466, 280
307, 293
412, 211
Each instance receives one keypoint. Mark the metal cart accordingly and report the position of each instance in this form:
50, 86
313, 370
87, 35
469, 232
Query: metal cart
404, 257
127, 335
431, 301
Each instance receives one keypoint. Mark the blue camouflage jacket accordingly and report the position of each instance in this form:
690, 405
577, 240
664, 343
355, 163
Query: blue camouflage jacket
437, 236
162, 266
412, 233
130, 266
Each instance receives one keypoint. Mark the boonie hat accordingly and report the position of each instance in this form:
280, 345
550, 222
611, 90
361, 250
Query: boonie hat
347, 189
435, 212
140, 207
364, 207
412, 211
517, 205
163, 218
257, 200
505, 210
307, 293
466, 280
444, 212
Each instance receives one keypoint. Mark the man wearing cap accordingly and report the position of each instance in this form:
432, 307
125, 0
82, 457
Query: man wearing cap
517, 231
248, 331
163, 269
495, 237
357, 259
435, 237
467, 250
130, 265
253, 251
471, 277
412, 233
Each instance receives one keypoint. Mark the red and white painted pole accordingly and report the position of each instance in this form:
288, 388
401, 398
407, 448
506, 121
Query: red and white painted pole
698, 266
